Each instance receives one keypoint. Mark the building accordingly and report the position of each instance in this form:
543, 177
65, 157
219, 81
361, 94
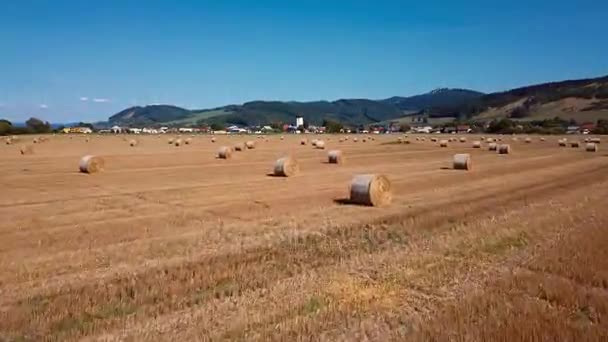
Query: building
299, 121
78, 130
116, 129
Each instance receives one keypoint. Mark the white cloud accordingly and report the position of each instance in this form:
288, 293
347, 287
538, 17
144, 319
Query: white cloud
84, 98
43, 106
100, 100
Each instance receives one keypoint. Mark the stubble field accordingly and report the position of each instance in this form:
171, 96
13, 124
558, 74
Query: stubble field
171, 243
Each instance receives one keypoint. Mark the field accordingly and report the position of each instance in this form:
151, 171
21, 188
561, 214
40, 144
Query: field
170, 243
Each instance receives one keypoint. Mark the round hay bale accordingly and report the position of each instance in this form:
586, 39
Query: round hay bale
504, 149
282, 137
493, 147
341, 140
400, 140
250, 144
575, 144
407, 141
355, 139
9, 141
462, 161
91, 164
595, 140
178, 142
26, 150
434, 139
542, 139
364, 140
133, 143
528, 141
422, 139
489, 140
314, 142
224, 152
286, 167
476, 144
303, 141
213, 139
562, 142
240, 147
417, 138
586, 140
335, 157
35, 140
443, 143
170, 141
371, 190
320, 144
591, 147
188, 141
86, 140
463, 139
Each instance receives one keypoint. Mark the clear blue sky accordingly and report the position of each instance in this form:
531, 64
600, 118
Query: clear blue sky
85, 60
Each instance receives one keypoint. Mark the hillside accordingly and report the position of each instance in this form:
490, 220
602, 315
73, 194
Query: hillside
351, 112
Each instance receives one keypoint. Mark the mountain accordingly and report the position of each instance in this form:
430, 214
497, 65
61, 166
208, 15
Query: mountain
441, 97
352, 112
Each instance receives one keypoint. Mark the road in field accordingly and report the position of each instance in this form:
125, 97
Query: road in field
171, 241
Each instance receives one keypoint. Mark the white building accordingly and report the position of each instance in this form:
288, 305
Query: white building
186, 130
116, 129
299, 121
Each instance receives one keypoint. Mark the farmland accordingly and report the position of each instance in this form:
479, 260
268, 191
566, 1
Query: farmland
172, 243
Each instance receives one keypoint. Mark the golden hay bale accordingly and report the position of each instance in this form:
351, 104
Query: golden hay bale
575, 144
371, 190
400, 140
407, 141
462, 161
26, 149
515, 139
591, 147
335, 157
504, 149
91, 164
340, 140
528, 141
422, 139
170, 141
303, 141
417, 138
542, 139
364, 140
250, 144
434, 139
489, 140
35, 140
320, 144
443, 143
595, 140
346, 138
213, 139
133, 143
224, 152
178, 142
493, 147
188, 141
355, 139
86, 140
476, 144
463, 139
240, 147
282, 137
9, 141
286, 167
562, 142
314, 142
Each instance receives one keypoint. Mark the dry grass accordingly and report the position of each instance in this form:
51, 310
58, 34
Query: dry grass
173, 244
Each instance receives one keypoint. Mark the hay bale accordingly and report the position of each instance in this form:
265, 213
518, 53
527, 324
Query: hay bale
364, 140
542, 139
35, 140
489, 140
282, 137
595, 140
528, 141
303, 141
188, 141
224, 152
250, 144
26, 150
422, 139
476, 144
493, 147
320, 144
462, 161
463, 139
434, 139
178, 142
591, 147
286, 167
213, 139
443, 143
355, 139
314, 142
170, 141
91, 164
400, 140
562, 142
133, 143
371, 190
335, 157
8, 141
575, 144
504, 149
240, 147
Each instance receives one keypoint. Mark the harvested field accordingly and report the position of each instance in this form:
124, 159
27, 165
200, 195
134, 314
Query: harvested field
175, 244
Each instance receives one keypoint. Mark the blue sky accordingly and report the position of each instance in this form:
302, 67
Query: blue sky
83, 60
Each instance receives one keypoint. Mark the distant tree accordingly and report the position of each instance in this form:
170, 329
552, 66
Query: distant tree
36, 125
85, 124
5, 127
332, 126
217, 127
504, 126
602, 127
404, 127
